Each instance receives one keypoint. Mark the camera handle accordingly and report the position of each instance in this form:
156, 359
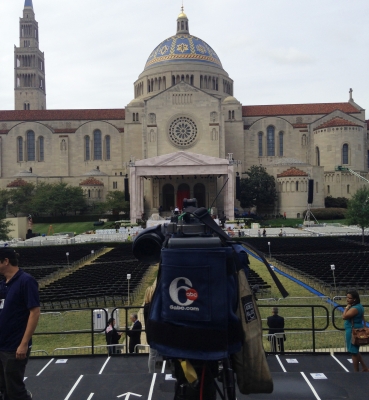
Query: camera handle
203, 215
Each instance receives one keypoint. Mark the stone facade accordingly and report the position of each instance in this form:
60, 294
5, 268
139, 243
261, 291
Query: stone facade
183, 103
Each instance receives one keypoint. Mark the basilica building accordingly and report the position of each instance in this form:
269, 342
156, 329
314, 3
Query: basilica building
183, 134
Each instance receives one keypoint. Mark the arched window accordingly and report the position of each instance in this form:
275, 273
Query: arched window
297, 186
107, 147
317, 156
31, 150
328, 189
87, 148
20, 149
232, 114
41, 150
281, 144
229, 115
260, 143
303, 140
270, 141
97, 145
345, 154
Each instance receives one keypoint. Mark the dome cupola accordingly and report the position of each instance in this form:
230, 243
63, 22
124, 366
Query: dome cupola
182, 23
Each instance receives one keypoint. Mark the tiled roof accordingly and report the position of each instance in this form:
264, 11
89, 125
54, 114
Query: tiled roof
292, 172
17, 183
337, 121
60, 115
91, 182
297, 109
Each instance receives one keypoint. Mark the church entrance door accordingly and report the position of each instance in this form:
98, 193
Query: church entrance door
168, 197
199, 194
182, 193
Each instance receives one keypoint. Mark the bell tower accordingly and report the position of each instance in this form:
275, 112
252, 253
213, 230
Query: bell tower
29, 64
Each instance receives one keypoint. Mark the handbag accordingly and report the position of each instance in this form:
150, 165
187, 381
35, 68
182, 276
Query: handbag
359, 336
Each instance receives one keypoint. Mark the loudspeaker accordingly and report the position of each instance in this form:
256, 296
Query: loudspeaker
238, 188
311, 191
126, 189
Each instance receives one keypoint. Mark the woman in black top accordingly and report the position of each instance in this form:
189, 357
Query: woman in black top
112, 336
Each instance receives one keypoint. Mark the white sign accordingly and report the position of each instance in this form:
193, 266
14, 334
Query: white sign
61, 361
292, 361
349, 360
318, 376
169, 377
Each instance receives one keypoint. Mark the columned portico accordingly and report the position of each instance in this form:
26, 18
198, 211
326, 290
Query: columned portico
180, 164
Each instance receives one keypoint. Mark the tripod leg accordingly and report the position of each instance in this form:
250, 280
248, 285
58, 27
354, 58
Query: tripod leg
228, 380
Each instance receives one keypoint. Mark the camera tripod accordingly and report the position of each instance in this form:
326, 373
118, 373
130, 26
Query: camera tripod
213, 377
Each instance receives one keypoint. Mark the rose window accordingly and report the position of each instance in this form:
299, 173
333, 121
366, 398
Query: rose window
183, 132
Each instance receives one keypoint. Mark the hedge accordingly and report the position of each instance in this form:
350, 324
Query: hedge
328, 213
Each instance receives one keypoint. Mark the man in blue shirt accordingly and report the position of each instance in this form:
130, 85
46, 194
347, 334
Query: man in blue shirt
19, 314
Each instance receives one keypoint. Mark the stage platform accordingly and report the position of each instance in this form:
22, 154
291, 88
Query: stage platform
295, 376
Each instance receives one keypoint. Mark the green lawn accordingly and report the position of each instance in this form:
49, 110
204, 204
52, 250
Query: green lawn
77, 227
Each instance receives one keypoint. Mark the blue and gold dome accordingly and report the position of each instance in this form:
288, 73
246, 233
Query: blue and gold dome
183, 47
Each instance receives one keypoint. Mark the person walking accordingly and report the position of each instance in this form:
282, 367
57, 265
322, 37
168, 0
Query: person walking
276, 331
154, 354
134, 333
19, 315
112, 336
353, 316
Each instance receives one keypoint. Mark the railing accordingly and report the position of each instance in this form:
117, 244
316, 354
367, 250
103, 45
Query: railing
309, 328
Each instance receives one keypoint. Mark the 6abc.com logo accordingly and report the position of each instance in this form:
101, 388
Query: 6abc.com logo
191, 295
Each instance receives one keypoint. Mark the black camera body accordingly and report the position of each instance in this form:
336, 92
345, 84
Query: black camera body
183, 231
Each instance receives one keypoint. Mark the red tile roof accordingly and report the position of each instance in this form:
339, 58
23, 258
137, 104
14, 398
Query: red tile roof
17, 183
297, 109
337, 121
292, 172
91, 182
59, 115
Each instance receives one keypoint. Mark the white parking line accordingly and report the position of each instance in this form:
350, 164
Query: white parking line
102, 368
280, 363
163, 367
90, 396
310, 386
45, 367
339, 362
152, 387
74, 386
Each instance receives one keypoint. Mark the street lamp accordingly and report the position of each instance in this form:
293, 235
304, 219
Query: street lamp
92, 252
270, 256
334, 278
128, 279
67, 254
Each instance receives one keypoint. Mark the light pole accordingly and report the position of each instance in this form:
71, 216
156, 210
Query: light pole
334, 278
128, 279
270, 256
67, 254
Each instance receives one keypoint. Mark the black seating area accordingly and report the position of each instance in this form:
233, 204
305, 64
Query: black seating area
312, 257
54, 255
101, 283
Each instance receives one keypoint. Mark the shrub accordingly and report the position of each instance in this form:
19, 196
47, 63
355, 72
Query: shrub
335, 202
328, 213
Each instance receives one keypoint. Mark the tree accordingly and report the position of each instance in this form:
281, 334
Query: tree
57, 199
5, 229
116, 203
258, 188
358, 209
20, 199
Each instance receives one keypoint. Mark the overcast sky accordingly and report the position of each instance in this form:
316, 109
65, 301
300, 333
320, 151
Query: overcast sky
276, 51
